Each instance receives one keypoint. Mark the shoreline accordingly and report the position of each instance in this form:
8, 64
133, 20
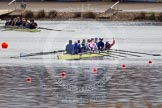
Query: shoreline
90, 16
63, 11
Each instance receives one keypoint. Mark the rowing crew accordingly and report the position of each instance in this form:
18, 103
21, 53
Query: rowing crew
91, 45
21, 22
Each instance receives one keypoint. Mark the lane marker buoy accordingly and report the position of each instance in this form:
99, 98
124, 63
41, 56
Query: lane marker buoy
149, 62
95, 70
63, 74
4, 45
28, 79
124, 66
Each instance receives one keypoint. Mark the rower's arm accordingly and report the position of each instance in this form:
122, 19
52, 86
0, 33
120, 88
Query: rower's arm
113, 43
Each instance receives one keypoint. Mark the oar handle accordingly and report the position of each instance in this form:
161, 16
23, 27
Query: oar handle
156, 54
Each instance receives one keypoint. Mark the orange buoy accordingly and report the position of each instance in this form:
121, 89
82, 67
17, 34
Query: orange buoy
63, 74
123, 66
95, 70
150, 62
4, 45
28, 79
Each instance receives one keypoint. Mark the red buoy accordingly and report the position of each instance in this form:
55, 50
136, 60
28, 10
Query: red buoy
4, 45
123, 66
150, 62
28, 79
95, 70
63, 74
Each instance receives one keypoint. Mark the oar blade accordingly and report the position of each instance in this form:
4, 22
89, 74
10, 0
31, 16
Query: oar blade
55, 29
135, 52
22, 54
156, 54
124, 53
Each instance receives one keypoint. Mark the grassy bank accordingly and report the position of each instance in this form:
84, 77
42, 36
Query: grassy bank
110, 16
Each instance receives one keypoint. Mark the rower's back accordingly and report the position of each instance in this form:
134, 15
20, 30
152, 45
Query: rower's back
70, 48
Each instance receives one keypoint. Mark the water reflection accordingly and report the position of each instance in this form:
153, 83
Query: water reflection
124, 86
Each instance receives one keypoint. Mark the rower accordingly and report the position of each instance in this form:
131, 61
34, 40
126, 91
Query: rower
27, 24
96, 40
87, 44
11, 22
77, 47
101, 44
33, 25
7, 23
109, 45
83, 45
18, 22
92, 45
70, 48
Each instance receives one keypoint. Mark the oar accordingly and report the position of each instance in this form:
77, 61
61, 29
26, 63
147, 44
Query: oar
54, 29
137, 52
118, 55
103, 54
112, 53
100, 53
38, 53
125, 53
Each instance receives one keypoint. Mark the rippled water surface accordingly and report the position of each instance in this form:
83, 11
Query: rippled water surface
92, 83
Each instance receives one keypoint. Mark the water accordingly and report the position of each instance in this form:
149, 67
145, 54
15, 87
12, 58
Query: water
87, 83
